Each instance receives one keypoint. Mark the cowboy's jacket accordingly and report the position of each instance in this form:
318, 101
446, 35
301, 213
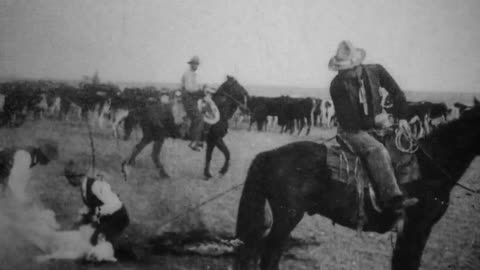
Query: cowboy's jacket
355, 112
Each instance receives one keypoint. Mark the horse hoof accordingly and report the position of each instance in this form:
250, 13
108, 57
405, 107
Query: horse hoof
164, 175
207, 176
125, 170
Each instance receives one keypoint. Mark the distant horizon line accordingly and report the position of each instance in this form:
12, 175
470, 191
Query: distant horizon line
255, 85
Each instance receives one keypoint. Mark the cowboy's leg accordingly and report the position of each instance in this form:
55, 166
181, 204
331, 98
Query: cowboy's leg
113, 225
191, 109
379, 164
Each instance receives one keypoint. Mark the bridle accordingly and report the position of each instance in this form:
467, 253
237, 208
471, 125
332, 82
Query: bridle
236, 101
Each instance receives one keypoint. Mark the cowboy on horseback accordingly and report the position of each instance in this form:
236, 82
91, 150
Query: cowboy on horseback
191, 92
355, 94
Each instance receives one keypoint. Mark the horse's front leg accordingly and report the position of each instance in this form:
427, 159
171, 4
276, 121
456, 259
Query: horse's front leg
409, 246
226, 153
208, 158
131, 159
157, 146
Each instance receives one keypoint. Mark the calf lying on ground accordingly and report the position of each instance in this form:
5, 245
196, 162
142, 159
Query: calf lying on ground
74, 245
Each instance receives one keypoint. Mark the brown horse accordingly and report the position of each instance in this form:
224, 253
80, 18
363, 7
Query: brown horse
295, 180
157, 123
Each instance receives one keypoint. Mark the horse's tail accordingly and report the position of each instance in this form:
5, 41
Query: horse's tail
251, 221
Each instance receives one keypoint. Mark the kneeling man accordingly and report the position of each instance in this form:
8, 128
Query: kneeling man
103, 208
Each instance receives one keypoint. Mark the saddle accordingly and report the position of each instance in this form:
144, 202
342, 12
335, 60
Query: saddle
345, 166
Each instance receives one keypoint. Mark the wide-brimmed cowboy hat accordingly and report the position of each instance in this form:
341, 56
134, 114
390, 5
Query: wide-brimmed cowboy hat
48, 147
347, 56
194, 60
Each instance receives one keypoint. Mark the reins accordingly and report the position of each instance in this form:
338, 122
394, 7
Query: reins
413, 146
445, 173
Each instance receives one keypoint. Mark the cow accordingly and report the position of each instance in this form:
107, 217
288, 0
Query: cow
21, 98
317, 112
328, 113
424, 116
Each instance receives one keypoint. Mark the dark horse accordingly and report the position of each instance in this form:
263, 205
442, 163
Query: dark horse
294, 180
156, 122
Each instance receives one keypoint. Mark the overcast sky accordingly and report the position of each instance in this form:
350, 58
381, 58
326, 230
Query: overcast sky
426, 45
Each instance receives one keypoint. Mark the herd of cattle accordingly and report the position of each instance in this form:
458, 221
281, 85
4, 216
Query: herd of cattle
98, 103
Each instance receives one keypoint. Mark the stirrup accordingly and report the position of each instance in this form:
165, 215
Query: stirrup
194, 147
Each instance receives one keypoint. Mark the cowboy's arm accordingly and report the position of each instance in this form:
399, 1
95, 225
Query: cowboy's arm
398, 97
111, 202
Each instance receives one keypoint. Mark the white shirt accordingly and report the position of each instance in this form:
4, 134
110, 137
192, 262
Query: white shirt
189, 81
104, 193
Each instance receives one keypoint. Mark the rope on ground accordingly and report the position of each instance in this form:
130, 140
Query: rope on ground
201, 204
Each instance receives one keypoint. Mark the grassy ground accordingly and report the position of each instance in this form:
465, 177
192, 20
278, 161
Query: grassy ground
152, 203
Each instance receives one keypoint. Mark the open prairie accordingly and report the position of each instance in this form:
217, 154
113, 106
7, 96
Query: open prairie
152, 203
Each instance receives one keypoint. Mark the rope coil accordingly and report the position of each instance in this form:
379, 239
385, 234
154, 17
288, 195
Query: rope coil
402, 137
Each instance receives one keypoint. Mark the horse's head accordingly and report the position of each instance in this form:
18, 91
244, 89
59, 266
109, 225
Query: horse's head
462, 133
232, 92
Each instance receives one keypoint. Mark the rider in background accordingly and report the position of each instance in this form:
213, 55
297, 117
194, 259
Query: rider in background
191, 92
355, 94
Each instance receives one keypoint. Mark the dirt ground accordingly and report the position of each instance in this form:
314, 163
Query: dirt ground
153, 203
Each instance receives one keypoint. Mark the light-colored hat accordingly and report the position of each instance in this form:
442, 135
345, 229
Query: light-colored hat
347, 56
195, 60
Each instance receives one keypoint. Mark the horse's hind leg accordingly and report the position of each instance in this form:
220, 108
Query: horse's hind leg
301, 124
157, 146
137, 149
309, 126
283, 224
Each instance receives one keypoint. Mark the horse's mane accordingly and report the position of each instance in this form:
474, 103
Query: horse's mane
234, 86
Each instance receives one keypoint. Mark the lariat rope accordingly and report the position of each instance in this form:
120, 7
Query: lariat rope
201, 204
403, 137
92, 144
90, 137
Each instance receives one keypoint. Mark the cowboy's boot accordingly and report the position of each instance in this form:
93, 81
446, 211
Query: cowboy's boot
399, 205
